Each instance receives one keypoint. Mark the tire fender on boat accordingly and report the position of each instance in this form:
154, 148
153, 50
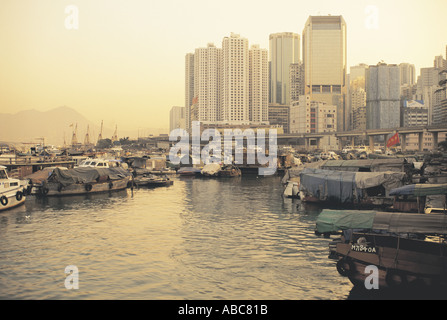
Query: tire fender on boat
88, 187
345, 267
110, 185
4, 200
19, 195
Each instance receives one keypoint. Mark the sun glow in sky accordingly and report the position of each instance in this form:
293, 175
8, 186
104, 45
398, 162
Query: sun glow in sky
125, 62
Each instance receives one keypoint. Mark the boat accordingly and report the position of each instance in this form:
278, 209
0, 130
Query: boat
163, 171
417, 198
211, 170
12, 191
229, 171
292, 189
360, 189
405, 248
189, 171
83, 180
150, 180
94, 163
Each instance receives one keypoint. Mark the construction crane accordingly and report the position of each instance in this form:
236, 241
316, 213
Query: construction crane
87, 137
115, 134
100, 132
74, 139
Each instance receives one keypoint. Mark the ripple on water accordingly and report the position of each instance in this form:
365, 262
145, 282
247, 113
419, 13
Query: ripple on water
198, 239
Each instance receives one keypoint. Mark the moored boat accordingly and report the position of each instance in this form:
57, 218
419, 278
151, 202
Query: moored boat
150, 180
189, 171
83, 181
360, 189
12, 191
211, 170
405, 248
229, 171
417, 198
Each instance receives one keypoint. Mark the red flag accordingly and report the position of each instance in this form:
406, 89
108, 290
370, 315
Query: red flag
393, 140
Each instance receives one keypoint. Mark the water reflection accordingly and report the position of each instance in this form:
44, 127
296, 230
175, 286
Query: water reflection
234, 238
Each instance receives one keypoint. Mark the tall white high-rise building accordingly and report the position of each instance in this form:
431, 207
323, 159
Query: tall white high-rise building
230, 84
206, 83
258, 84
234, 79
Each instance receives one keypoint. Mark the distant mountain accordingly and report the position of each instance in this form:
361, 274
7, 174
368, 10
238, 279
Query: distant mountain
54, 125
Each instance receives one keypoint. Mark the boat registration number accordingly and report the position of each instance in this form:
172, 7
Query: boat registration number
364, 248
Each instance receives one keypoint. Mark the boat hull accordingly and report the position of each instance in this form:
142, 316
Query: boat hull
56, 190
421, 264
152, 183
12, 201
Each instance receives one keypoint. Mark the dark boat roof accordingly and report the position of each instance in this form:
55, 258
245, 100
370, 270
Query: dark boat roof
420, 189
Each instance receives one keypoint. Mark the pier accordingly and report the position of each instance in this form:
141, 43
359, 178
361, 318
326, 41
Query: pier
20, 167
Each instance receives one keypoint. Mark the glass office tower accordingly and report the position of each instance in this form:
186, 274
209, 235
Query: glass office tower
324, 57
284, 50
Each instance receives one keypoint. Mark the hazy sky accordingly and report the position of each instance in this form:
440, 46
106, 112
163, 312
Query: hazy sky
125, 62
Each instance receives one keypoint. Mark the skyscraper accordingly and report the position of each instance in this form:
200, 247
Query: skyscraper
229, 84
427, 84
234, 79
407, 74
324, 57
357, 96
296, 75
258, 84
177, 118
206, 83
383, 96
284, 50
189, 87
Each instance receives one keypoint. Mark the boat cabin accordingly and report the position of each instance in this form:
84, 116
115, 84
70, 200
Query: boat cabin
3, 174
94, 163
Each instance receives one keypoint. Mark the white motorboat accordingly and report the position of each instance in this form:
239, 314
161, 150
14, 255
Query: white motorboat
12, 191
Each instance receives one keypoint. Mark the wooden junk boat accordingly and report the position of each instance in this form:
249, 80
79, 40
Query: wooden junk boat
83, 180
406, 248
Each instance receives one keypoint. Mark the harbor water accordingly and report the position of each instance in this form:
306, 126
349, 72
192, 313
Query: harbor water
234, 238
